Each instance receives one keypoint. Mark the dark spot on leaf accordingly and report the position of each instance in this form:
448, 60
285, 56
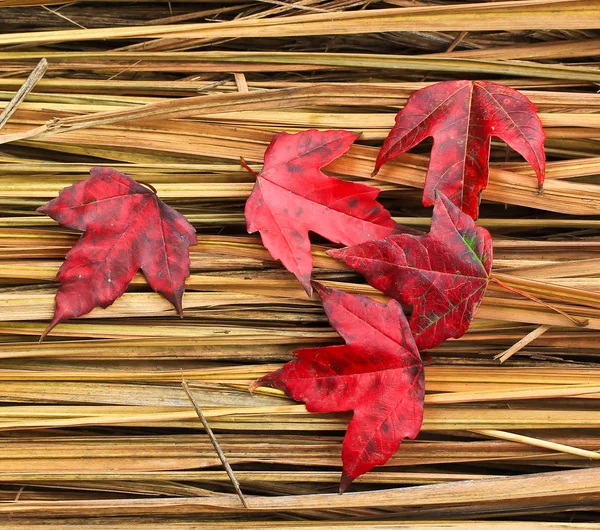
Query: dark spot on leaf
413, 370
294, 167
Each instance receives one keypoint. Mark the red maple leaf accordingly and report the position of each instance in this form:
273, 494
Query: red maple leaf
442, 274
378, 374
292, 197
462, 116
127, 227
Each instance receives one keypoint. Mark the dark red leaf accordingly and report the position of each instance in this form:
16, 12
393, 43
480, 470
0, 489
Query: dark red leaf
462, 116
378, 374
127, 227
292, 197
443, 274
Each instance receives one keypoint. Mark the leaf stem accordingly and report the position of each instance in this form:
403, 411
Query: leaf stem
149, 186
576, 321
247, 167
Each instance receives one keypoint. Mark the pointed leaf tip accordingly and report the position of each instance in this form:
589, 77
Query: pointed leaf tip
55, 321
308, 287
345, 482
177, 302
254, 385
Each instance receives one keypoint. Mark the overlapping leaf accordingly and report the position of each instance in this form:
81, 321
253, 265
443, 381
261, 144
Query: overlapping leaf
378, 374
442, 274
292, 197
127, 227
462, 117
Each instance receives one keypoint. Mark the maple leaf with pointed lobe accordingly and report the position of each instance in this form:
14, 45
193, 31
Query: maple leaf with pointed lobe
462, 117
442, 274
292, 197
126, 227
378, 374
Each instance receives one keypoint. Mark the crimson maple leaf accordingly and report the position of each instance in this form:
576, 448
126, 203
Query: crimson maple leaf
378, 374
127, 227
292, 197
462, 116
442, 274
